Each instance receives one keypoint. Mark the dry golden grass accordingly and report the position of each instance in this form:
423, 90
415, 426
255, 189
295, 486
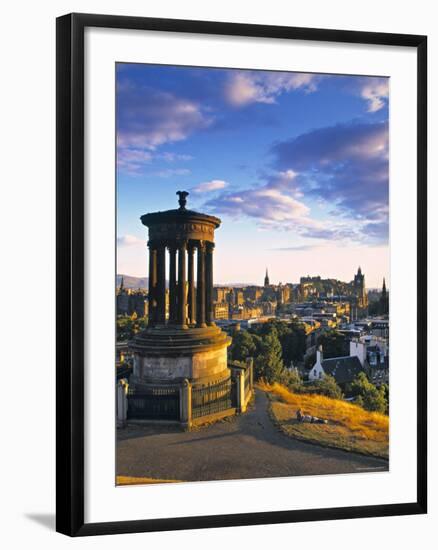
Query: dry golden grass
129, 480
349, 426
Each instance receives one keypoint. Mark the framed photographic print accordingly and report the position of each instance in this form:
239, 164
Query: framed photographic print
241, 274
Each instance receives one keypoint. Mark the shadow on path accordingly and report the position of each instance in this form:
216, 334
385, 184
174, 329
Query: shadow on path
242, 447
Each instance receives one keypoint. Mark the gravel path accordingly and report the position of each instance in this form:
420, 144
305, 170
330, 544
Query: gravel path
246, 446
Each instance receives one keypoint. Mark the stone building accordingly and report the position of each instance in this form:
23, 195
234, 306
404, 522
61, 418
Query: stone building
246, 311
269, 308
252, 293
130, 301
220, 293
283, 294
360, 296
343, 369
221, 310
235, 297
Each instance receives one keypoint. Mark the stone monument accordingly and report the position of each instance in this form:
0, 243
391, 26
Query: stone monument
182, 343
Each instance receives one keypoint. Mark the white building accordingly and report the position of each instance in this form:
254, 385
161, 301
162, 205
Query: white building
317, 372
343, 369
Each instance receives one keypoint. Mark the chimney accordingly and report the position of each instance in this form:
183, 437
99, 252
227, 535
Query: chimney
319, 356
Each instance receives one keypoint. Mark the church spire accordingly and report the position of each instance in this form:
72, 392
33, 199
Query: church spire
266, 278
384, 288
122, 285
384, 303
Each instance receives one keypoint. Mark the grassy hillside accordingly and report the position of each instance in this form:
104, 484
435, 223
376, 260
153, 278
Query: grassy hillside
349, 426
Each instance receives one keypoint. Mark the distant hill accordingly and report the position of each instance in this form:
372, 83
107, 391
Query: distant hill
235, 285
143, 282
133, 282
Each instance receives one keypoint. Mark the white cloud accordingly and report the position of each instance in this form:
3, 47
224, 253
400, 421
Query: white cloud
172, 157
275, 206
148, 118
375, 91
272, 203
245, 87
212, 185
131, 161
129, 240
169, 172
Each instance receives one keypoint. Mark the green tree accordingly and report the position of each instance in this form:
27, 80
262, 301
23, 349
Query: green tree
293, 343
269, 363
124, 328
128, 326
244, 345
292, 338
334, 344
265, 328
368, 395
328, 386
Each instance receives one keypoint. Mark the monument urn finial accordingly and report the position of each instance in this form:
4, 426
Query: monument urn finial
182, 199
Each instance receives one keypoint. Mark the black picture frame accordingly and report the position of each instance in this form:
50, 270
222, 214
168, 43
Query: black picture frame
70, 273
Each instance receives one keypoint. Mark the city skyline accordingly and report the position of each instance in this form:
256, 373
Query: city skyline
295, 165
273, 282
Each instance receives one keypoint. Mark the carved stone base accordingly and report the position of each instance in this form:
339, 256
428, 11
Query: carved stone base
168, 354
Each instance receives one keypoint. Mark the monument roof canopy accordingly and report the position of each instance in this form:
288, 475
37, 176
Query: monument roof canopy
180, 223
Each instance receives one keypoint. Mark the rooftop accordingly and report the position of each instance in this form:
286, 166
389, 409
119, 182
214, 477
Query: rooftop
343, 369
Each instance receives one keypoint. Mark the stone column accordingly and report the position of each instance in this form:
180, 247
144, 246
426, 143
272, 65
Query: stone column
209, 284
191, 278
200, 287
161, 285
172, 285
152, 298
182, 290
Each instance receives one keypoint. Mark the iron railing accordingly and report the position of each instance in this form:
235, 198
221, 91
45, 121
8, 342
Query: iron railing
212, 398
156, 403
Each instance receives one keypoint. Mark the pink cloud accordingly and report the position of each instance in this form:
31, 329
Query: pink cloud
212, 185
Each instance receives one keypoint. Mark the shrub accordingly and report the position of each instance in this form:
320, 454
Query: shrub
292, 380
368, 395
327, 386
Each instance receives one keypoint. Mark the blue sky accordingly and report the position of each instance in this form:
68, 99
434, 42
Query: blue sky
295, 165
